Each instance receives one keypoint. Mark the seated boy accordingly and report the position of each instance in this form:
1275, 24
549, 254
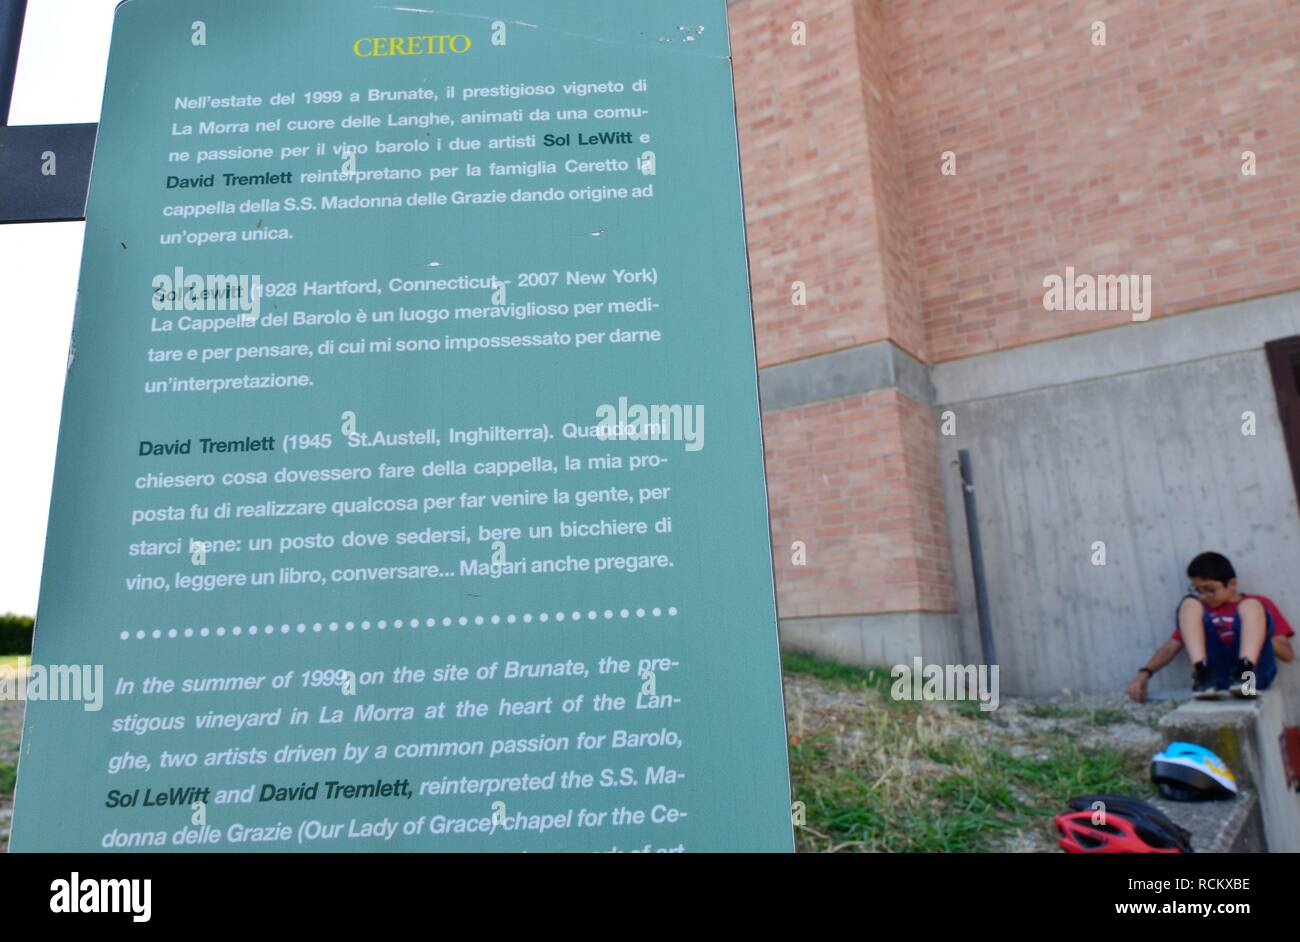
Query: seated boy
1233, 640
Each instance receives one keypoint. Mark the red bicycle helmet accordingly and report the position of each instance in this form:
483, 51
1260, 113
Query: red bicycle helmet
1129, 826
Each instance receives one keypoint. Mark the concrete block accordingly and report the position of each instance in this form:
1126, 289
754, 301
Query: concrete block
876, 640
1225, 727
1220, 827
1246, 734
850, 372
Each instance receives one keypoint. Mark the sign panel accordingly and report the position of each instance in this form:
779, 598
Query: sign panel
410, 490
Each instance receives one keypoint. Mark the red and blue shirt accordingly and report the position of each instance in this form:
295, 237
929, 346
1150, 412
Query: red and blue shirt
1224, 620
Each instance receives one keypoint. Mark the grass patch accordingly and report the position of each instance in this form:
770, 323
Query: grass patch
1052, 711
1064, 769
902, 784
14, 661
969, 709
8, 778
935, 778
1107, 716
841, 675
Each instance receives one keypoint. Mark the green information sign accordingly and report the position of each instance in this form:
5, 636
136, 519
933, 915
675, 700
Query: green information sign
410, 490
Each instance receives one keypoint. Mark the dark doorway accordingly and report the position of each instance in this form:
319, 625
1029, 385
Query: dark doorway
1284, 362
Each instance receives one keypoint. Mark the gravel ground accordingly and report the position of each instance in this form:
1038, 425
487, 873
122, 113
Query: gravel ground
1131, 727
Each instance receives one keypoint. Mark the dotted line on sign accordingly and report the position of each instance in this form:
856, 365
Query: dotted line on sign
382, 624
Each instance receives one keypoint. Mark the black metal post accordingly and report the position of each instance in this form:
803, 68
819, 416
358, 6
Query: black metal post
12, 14
26, 193
977, 558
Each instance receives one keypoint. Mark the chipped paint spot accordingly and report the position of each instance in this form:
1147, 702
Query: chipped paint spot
474, 16
696, 30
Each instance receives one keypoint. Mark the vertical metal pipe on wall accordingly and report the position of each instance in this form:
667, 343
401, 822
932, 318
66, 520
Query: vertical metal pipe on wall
976, 558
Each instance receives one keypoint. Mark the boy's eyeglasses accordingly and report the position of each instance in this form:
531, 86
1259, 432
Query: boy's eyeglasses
1195, 591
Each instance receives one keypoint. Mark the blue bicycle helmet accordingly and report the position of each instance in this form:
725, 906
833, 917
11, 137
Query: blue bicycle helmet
1188, 772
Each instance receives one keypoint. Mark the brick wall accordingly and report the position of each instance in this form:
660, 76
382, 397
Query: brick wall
888, 174
809, 197
1114, 159
826, 204
856, 480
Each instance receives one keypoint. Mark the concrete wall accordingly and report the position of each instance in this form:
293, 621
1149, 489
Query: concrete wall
1131, 437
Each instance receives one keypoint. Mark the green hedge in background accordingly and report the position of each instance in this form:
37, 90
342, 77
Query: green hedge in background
15, 634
